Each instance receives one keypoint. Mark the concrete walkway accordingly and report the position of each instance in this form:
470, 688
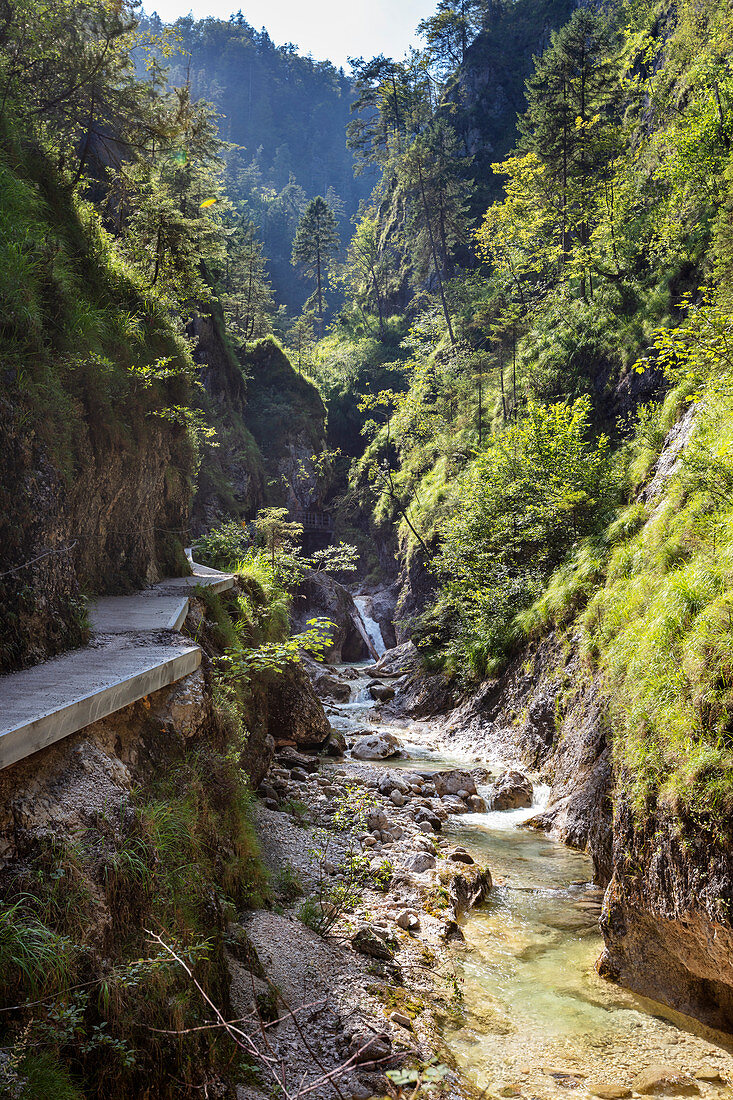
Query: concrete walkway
134, 650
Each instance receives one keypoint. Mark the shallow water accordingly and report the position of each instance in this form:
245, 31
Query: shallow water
535, 1013
535, 1019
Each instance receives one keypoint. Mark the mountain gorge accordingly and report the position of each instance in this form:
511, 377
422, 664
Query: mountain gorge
365, 556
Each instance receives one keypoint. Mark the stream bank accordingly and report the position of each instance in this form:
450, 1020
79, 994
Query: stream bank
506, 993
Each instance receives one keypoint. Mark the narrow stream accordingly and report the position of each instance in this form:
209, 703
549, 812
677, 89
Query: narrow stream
536, 1020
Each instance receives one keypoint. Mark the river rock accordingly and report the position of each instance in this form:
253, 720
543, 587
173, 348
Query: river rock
421, 861
336, 744
452, 782
291, 758
660, 1080
365, 1047
368, 941
426, 826
376, 746
401, 1019
294, 711
470, 887
393, 781
383, 693
476, 804
608, 1092
459, 855
397, 799
377, 819
709, 1072
327, 683
511, 791
409, 920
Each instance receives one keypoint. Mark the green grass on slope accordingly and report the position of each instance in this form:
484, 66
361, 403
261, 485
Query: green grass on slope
653, 600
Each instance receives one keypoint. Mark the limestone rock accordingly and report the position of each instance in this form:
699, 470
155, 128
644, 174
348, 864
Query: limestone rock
470, 887
401, 1019
383, 693
461, 856
365, 1047
421, 861
376, 746
608, 1092
295, 713
367, 941
336, 744
451, 782
511, 791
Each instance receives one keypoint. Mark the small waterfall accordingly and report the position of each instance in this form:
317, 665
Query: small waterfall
362, 604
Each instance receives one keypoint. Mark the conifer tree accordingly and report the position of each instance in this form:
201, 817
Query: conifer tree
316, 245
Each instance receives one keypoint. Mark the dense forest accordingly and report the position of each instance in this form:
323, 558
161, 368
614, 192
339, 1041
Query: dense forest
466, 312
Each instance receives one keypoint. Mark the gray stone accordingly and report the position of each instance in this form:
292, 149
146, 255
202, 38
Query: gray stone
377, 819
336, 744
376, 746
459, 856
409, 920
421, 861
365, 1047
511, 791
397, 799
368, 941
451, 782
381, 692
709, 1072
401, 1019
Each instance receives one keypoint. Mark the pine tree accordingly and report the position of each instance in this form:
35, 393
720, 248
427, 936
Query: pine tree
247, 299
572, 102
449, 32
316, 245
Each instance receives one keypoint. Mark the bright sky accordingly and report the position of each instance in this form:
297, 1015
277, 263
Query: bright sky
328, 29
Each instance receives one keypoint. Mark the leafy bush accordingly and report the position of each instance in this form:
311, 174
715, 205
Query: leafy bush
539, 487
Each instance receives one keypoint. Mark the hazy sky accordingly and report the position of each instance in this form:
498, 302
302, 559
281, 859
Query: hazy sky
328, 29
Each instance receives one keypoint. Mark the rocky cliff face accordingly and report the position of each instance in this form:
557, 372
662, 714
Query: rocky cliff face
231, 480
113, 524
667, 912
287, 418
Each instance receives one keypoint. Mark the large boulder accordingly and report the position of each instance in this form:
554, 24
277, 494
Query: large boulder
511, 791
295, 713
321, 597
376, 746
327, 683
453, 781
